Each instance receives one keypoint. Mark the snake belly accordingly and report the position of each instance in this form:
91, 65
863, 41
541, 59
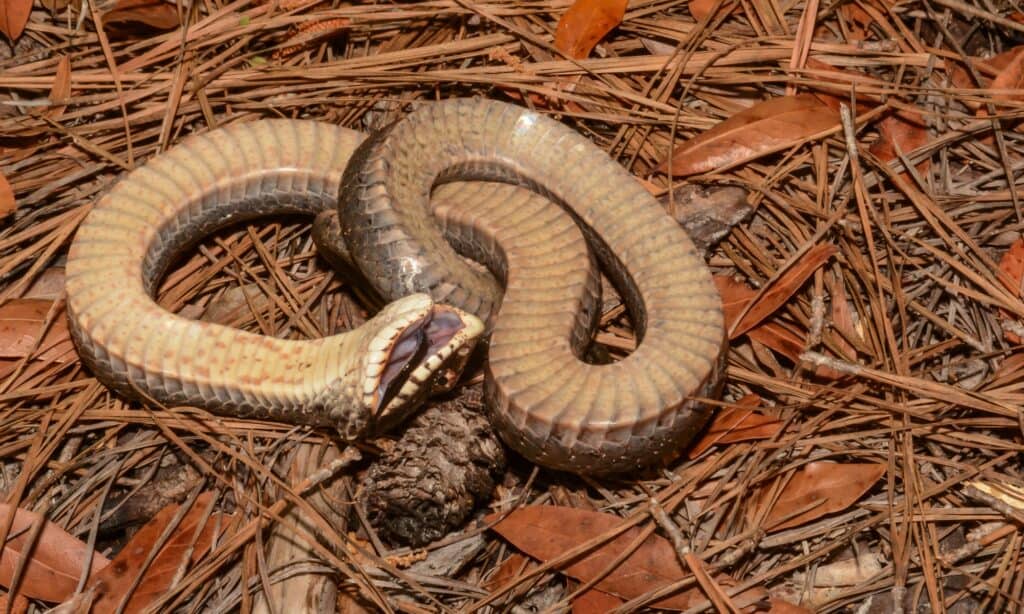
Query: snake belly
412, 348
545, 402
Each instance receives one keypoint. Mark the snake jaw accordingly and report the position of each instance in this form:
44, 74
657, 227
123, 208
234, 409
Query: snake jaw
421, 352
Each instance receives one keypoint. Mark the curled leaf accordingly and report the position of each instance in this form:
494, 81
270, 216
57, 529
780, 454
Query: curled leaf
767, 127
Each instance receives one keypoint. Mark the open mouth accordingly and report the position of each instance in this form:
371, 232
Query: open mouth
427, 356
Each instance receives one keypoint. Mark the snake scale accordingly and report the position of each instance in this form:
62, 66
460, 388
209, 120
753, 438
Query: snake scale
406, 207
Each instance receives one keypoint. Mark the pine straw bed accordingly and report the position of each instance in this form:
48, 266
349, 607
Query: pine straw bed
924, 380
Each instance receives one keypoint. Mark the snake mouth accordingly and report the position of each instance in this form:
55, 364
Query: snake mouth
426, 357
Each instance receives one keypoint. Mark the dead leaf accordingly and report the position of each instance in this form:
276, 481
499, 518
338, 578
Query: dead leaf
775, 296
767, 127
153, 13
13, 17
736, 295
585, 23
818, 489
7, 203
903, 129
56, 562
113, 583
19, 606
21, 322
60, 91
1009, 77
595, 601
1012, 267
734, 424
701, 9
546, 532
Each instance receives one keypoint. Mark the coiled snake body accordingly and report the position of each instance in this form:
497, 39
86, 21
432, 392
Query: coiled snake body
540, 306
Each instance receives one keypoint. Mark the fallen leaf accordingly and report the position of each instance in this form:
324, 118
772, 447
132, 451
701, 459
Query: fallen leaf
547, 532
116, 580
1009, 77
701, 9
585, 23
1012, 267
595, 601
767, 127
7, 203
858, 21
514, 566
21, 322
736, 295
13, 17
987, 69
818, 489
776, 295
903, 129
60, 91
734, 424
19, 606
56, 561
153, 13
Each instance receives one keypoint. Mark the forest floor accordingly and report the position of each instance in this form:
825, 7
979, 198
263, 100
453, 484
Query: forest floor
852, 164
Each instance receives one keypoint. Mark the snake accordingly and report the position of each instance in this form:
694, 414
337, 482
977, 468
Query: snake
477, 222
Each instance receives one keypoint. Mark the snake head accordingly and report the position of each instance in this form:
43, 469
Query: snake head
420, 350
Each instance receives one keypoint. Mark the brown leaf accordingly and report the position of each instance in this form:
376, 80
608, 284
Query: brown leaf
20, 605
21, 322
701, 9
585, 23
7, 203
153, 13
1010, 77
547, 532
767, 127
734, 424
60, 91
113, 583
595, 601
1012, 267
784, 287
820, 488
904, 129
57, 559
13, 17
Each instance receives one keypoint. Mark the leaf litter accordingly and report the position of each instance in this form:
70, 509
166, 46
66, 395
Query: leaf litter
876, 309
